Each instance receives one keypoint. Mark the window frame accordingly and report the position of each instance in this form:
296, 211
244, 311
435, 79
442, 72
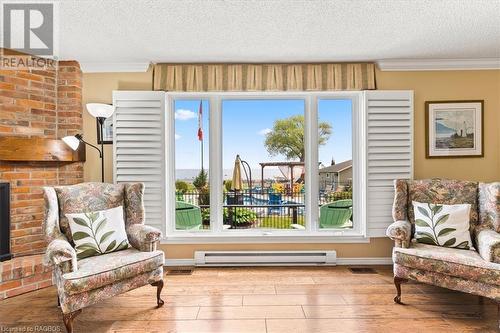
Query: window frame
312, 233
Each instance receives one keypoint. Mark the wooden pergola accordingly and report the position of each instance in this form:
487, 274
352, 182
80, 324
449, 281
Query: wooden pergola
290, 165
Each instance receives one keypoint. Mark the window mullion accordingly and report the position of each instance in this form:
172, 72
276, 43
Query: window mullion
216, 172
311, 162
170, 163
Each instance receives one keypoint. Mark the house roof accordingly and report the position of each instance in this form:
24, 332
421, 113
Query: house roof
337, 167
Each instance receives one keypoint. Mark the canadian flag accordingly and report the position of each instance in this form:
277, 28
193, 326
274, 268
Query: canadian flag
200, 122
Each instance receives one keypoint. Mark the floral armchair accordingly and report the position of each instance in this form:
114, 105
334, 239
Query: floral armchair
475, 272
83, 282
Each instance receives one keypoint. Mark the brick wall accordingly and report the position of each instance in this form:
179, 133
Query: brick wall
23, 274
41, 103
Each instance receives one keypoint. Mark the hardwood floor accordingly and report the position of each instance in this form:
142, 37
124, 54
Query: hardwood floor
272, 300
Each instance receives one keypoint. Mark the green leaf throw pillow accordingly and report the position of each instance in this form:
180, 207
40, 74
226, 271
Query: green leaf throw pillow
97, 233
443, 225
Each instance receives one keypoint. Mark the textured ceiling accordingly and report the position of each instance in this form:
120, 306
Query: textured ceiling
277, 31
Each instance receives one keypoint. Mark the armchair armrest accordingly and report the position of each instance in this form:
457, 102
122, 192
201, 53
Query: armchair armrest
488, 243
60, 253
400, 232
143, 237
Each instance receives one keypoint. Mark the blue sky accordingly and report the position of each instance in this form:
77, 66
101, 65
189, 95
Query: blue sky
245, 123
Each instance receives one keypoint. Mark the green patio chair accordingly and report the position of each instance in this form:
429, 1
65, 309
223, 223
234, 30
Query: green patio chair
335, 214
187, 216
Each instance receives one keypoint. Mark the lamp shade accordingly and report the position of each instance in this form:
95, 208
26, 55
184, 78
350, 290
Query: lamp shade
72, 141
99, 110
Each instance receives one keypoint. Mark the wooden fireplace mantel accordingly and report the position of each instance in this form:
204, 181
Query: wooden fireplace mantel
38, 150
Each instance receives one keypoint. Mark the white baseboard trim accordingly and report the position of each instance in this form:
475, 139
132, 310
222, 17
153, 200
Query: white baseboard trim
340, 261
179, 262
365, 261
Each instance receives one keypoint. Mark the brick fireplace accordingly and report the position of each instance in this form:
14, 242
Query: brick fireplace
35, 103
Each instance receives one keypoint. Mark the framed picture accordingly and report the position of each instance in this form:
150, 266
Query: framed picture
454, 129
107, 135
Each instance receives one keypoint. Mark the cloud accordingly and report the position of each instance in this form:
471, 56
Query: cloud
264, 131
183, 114
177, 137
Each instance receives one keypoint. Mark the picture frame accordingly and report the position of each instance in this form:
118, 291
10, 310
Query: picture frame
107, 137
454, 129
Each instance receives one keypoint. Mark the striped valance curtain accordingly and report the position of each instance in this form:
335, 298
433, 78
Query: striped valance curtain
264, 77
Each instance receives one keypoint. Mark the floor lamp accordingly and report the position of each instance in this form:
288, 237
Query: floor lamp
100, 112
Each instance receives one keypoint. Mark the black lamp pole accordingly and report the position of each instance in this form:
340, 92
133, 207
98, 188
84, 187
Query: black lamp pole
101, 151
101, 120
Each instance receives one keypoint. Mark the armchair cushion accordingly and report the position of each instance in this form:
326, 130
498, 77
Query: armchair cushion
96, 272
467, 265
86, 197
142, 236
99, 232
488, 243
443, 225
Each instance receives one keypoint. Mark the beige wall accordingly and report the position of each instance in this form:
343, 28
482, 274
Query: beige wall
452, 85
428, 86
98, 88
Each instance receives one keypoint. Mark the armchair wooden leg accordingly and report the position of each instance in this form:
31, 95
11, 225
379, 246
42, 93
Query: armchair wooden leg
159, 287
498, 304
68, 319
397, 282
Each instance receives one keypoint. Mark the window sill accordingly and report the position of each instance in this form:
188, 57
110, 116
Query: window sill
263, 237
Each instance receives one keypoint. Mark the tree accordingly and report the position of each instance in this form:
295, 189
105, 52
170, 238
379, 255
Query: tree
181, 186
287, 137
201, 184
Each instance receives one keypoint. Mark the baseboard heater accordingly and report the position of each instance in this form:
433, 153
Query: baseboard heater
265, 258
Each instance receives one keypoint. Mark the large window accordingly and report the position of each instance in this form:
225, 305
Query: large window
263, 163
192, 182
273, 163
335, 174
337, 188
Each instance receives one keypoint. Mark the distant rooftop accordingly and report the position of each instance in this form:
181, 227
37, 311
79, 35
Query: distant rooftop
337, 167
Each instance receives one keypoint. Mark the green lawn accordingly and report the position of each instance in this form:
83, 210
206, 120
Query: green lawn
279, 222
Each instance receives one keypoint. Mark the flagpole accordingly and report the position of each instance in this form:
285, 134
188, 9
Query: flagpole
200, 131
202, 154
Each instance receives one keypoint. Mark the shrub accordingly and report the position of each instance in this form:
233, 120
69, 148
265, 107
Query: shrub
227, 185
205, 214
241, 216
334, 196
181, 186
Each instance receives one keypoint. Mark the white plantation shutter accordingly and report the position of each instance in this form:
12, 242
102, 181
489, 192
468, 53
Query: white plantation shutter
139, 147
389, 152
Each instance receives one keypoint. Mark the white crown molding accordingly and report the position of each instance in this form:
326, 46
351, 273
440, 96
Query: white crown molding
113, 67
438, 64
339, 261
383, 65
